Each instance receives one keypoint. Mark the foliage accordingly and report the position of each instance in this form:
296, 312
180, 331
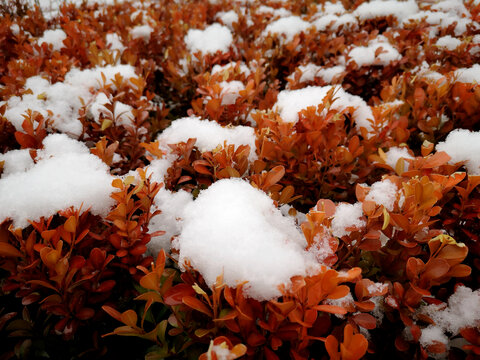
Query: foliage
74, 271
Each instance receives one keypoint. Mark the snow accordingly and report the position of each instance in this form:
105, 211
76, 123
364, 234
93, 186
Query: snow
214, 38
234, 230
456, 7
228, 18
469, 75
54, 38
321, 248
97, 107
329, 74
141, 32
122, 113
367, 55
115, 42
50, 8
230, 91
334, 22
383, 193
396, 153
432, 335
439, 19
15, 29
377, 287
65, 175
398, 9
171, 205
333, 8
448, 42
209, 135
463, 145
347, 216
311, 71
63, 98
281, 12
16, 161
287, 27
291, 102
463, 311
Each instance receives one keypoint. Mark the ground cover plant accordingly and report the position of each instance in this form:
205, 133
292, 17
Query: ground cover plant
240, 179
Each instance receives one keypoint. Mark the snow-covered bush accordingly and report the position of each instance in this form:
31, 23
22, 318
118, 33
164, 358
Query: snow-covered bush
275, 179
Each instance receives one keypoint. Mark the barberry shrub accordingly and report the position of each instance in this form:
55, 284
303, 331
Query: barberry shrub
223, 180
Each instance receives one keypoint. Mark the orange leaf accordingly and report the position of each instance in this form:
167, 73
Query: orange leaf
327, 206
332, 309
366, 321
129, 318
273, 176
150, 282
438, 159
339, 292
174, 295
196, 304
331, 344
71, 224
7, 250
460, 270
43, 283
435, 268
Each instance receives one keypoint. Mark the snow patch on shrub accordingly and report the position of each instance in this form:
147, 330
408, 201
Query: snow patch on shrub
54, 38
347, 216
398, 9
463, 145
234, 230
383, 193
287, 27
463, 311
65, 175
214, 38
142, 32
63, 98
209, 135
396, 153
369, 55
291, 102
171, 205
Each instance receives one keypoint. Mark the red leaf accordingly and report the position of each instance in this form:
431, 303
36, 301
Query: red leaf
196, 304
175, 294
366, 321
7, 250
273, 176
25, 140
332, 309
85, 313
438, 159
112, 312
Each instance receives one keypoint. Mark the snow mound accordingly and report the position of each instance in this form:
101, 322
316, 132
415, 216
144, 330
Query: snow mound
463, 145
398, 9
383, 193
214, 38
291, 102
287, 27
463, 311
65, 175
54, 38
63, 98
209, 134
346, 216
234, 230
